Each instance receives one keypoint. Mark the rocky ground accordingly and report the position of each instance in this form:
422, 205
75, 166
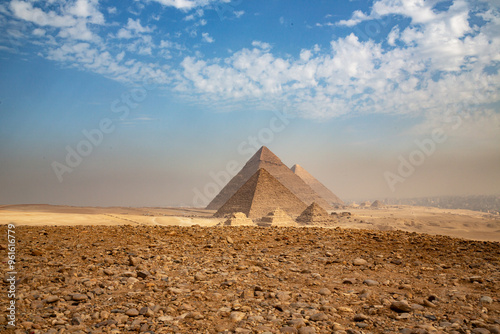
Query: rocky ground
170, 279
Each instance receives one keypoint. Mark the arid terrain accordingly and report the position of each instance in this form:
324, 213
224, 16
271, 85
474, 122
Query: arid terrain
170, 270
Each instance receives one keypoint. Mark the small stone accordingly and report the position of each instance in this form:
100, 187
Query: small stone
360, 317
165, 318
76, 321
370, 282
133, 261
229, 240
307, 330
36, 252
360, 262
400, 307
237, 316
349, 281
344, 309
288, 329
79, 297
108, 272
325, 292
319, 317
297, 323
129, 274
52, 299
486, 300
143, 274
480, 331
132, 312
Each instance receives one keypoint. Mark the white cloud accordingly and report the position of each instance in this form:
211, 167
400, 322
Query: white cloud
261, 45
72, 19
189, 4
239, 13
357, 17
206, 38
441, 66
39, 32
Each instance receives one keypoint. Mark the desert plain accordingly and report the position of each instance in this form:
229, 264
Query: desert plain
397, 269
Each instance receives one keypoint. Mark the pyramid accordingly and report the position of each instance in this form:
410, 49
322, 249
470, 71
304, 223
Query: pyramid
238, 219
277, 217
266, 159
377, 204
317, 186
259, 195
313, 215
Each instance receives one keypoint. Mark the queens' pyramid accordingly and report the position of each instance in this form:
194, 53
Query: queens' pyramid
317, 186
266, 159
261, 194
314, 214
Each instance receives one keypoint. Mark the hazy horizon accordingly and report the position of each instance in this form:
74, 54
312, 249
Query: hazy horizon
152, 103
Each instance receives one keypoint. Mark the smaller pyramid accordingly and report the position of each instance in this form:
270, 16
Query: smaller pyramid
277, 217
261, 194
238, 219
315, 215
377, 204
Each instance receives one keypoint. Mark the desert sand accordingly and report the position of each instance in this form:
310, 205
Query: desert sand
465, 224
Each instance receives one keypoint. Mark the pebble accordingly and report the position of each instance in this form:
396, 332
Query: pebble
52, 299
79, 297
400, 306
319, 317
370, 282
307, 330
360, 262
325, 292
132, 312
237, 316
288, 329
486, 300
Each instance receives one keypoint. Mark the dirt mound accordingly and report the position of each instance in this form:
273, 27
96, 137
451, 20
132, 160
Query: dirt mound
259, 195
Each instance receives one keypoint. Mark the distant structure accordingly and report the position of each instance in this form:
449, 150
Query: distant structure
238, 219
261, 194
277, 217
265, 159
317, 186
377, 204
314, 215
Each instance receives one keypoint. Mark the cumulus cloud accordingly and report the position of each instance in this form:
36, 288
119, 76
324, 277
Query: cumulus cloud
441, 66
206, 38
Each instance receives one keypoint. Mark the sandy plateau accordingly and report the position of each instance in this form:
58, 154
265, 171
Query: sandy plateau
397, 269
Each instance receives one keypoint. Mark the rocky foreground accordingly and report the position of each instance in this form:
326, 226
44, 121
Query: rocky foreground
155, 279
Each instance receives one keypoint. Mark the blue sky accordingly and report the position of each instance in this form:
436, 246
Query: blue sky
174, 90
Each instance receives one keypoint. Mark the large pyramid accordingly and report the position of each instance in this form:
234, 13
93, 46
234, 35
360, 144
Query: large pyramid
317, 186
266, 159
261, 194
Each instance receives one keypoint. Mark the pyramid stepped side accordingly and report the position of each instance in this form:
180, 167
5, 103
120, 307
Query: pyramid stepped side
277, 217
238, 219
261, 194
314, 214
266, 159
317, 186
